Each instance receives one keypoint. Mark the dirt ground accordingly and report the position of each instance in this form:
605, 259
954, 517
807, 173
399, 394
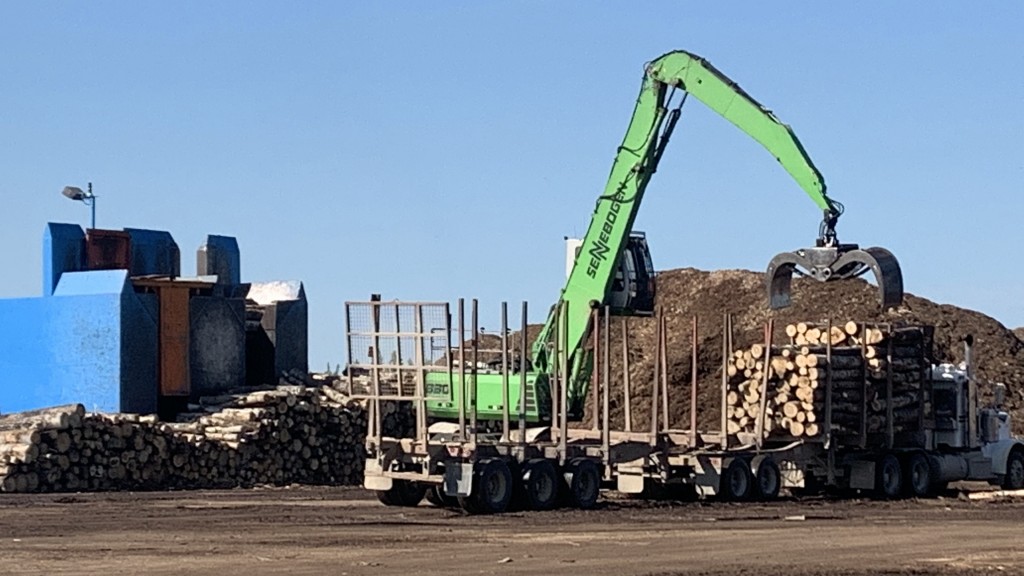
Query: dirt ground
346, 531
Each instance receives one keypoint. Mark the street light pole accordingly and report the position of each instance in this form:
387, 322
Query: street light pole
87, 198
92, 204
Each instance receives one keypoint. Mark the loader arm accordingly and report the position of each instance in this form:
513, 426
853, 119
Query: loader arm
635, 162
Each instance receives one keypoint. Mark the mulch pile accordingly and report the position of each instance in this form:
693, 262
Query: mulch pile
998, 351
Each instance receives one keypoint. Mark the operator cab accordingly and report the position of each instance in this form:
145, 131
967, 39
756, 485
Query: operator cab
633, 287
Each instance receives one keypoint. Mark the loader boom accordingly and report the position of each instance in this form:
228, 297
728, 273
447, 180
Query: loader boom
635, 162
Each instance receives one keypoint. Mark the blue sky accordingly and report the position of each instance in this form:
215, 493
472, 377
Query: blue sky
435, 150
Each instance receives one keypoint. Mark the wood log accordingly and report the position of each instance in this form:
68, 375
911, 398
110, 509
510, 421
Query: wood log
220, 448
897, 364
20, 436
796, 429
838, 361
56, 417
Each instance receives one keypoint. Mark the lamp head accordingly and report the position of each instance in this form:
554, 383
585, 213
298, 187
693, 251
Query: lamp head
74, 193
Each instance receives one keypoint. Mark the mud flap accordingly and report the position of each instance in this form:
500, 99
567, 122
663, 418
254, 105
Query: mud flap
458, 479
373, 476
629, 483
836, 263
862, 475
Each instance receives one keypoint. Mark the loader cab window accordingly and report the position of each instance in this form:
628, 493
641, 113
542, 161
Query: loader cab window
643, 301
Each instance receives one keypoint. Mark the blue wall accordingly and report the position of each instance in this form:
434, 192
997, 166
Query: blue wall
63, 251
154, 252
93, 341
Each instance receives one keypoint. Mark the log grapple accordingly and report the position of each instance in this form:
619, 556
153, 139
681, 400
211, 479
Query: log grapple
829, 261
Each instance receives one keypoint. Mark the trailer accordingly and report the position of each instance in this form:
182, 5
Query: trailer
416, 354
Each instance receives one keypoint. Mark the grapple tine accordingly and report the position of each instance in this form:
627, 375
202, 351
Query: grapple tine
780, 278
889, 276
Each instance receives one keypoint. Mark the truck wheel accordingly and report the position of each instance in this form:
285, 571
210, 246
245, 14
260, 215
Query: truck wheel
917, 474
888, 477
582, 483
539, 486
737, 481
767, 478
1014, 478
492, 488
402, 493
437, 497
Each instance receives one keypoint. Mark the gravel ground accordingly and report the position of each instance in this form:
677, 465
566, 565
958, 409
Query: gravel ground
346, 531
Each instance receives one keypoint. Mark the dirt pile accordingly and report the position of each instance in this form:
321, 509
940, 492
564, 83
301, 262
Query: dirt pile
684, 293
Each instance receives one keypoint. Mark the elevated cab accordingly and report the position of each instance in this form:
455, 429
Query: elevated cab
633, 287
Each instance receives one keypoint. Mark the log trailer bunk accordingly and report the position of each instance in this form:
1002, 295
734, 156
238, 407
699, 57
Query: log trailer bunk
613, 268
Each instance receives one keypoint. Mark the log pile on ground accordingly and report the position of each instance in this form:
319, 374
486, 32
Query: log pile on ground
399, 419
683, 293
288, 434
782, 392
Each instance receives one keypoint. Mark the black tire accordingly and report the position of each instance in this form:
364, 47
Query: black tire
437, 497
492, 488
767, 478
402, 493
737, 481
582, 483
938, 486
1014, 477
386, 497
538, 486
434, 498
888, 477
918, 477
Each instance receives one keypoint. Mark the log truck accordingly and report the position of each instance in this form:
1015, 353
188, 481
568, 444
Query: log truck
481, 468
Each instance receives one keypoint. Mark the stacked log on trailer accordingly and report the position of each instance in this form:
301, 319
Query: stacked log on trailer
907, 369
288, 434
782, 391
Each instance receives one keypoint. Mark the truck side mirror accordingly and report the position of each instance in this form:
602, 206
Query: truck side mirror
999, 394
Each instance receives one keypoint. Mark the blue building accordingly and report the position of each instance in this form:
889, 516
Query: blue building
118, 328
